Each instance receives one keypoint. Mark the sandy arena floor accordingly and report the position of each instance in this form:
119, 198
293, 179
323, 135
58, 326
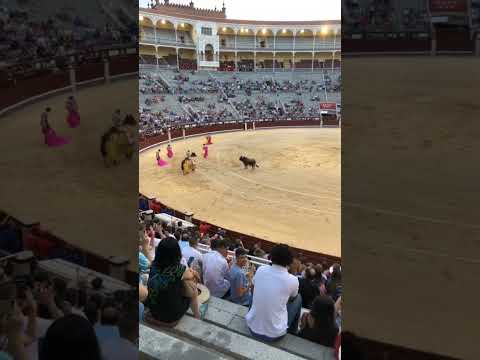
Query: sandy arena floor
68, 190
410, 199
293, 197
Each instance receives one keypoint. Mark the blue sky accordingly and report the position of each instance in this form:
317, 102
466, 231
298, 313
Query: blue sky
293, 10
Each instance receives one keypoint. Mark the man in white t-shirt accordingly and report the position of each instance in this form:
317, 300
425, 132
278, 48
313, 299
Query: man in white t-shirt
276, 303
215, 270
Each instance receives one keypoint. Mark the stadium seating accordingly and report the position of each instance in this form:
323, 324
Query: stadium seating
235, 96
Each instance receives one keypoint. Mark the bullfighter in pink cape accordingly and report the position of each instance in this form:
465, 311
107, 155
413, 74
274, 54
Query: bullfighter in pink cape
51, 138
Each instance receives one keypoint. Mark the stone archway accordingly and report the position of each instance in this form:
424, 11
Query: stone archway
209, 52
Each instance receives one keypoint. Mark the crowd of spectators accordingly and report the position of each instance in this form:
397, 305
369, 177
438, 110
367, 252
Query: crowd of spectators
188, 99
387, 15
32, 40
48, 318
274, 287
27, 38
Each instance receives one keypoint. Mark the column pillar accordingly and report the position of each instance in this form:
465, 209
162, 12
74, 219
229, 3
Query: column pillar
254, 60
274, 61
433, 49
73, 78
178, 59
106, 70
477, 44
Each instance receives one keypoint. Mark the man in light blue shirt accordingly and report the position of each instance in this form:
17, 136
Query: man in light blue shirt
215, 270
240, 283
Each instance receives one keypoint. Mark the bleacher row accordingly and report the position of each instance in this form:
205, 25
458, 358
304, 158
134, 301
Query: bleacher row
68, 310
171, 98
222, 332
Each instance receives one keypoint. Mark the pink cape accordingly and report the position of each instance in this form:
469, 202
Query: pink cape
170, 153
161, 162
73, 119
53, 140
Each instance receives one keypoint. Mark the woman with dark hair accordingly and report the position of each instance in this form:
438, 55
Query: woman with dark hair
171, 285
319, 325
70, 337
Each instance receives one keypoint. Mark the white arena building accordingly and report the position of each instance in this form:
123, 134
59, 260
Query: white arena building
186, 37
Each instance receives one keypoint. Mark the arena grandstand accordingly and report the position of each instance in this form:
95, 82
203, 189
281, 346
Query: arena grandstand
59, 285
192, 74
432, 27
201, 72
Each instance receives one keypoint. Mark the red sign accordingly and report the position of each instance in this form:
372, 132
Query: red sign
437, 6
328, 106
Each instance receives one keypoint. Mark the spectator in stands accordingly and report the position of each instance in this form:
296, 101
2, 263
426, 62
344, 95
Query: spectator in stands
215, 269
257, 251
92, 312
171, 285
71, 337
308, 288
241, 283
319, 324
334, 282
142, 296
145, 257
191, 255
276, 303
12, 341
204, 229
123, 347
45, 295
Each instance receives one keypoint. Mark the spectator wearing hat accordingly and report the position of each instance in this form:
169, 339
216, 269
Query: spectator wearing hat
276, 303
240, 283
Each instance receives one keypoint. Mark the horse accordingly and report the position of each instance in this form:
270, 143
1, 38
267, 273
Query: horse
187, 166
115, 144
248, 162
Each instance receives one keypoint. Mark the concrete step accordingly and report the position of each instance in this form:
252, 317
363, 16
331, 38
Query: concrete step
209, 336
158, 345
228, 315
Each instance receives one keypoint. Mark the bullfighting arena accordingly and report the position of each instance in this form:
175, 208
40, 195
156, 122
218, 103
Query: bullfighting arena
68, 189
293, 196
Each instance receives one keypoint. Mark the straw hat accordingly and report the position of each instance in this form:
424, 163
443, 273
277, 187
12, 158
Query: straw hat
203, 293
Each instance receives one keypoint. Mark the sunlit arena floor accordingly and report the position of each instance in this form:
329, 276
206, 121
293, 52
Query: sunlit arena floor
293, 197
410, 228
68, 189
